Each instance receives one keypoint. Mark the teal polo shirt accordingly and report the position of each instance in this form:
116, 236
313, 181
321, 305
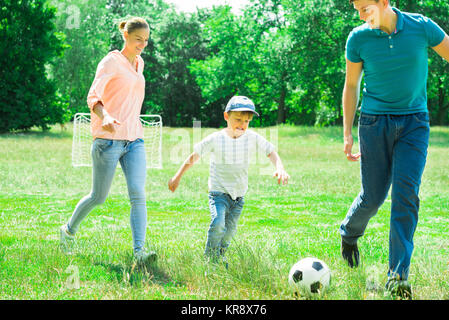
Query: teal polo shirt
395, 66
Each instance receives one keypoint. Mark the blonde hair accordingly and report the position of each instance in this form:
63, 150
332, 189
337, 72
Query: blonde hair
133, 24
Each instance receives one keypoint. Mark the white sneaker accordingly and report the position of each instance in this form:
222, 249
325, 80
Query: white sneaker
67, 239
144, 257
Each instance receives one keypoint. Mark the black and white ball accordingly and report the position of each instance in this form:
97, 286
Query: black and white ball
309, 275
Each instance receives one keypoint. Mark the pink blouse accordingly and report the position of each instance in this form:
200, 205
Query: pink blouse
121, 90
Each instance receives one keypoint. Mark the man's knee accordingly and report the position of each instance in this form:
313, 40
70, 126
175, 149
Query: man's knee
371, 203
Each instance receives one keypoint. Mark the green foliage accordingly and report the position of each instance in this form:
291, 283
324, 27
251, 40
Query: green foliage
178, 42
319, 30
276, 63
86, 35
286, 55
29, 45
250, 55
224, 72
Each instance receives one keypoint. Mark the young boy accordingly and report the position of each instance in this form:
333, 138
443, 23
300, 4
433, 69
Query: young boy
231, 150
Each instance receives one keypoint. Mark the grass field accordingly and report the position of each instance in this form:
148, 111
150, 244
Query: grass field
280, 224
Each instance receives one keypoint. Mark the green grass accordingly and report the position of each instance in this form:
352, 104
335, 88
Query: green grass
280, 224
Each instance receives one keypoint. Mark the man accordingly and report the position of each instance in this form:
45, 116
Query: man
391, 50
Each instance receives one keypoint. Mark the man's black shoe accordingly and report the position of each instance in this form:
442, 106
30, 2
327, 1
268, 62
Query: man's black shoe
399, 289
350, 254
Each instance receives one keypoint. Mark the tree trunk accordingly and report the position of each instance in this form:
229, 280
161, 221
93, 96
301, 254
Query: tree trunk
281, 107
442, 117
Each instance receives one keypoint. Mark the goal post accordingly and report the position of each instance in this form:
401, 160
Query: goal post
82, 140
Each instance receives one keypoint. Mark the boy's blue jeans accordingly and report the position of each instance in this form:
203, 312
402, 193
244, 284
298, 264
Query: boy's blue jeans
105, 156
225, 213
394, 152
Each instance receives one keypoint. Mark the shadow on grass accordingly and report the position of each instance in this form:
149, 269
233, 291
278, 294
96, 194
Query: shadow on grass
439, 136
38, 134
130, 271
125, 269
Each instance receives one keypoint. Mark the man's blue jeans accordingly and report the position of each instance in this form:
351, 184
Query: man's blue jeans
225, 213
105, 156
394, 152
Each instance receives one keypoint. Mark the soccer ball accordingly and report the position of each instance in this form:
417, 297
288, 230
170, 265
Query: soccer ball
309, 275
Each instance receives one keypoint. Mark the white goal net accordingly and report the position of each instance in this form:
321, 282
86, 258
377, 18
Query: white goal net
82, 140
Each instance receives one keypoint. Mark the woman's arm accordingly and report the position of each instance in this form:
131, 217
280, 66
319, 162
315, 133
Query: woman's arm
108, 122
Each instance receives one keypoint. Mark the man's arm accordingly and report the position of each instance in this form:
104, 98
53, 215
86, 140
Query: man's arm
443, 48
351, 94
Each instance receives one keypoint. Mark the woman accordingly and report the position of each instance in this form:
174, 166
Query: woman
115, 99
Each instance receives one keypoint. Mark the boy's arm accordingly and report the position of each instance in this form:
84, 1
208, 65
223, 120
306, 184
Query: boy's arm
188, 163
280, 172
351, 93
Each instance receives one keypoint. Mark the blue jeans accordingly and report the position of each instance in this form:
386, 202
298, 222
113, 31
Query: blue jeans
225, 213
394, 152
105, 156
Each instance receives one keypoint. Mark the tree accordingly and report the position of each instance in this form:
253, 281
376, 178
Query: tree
178, 42
319, 30
276, 58
29, 45
87, 38
227, 69
247, 57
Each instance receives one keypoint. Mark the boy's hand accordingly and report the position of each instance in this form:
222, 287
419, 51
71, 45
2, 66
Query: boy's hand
282, 176
173, 184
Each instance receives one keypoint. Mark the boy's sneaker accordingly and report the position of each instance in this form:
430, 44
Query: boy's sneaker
225, 263
350, 254
144, 257
214, 264
67, 240
399, 289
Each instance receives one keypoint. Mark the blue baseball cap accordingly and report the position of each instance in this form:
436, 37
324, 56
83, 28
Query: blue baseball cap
241, 103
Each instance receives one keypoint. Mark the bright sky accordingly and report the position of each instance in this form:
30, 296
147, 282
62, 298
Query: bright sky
191, 5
